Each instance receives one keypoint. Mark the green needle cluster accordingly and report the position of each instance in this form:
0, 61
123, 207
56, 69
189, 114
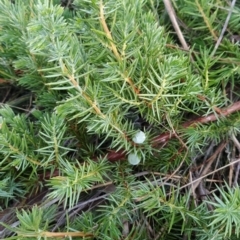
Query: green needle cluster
114, 128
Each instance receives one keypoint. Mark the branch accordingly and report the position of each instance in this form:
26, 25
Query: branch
165, 137
172, 14
114, 48
55, 234
213, 117
224, 28
108, 33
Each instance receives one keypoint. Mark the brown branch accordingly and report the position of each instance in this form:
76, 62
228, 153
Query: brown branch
173, 18
213, 117
208, 164
113, 156
3, 81
165, 137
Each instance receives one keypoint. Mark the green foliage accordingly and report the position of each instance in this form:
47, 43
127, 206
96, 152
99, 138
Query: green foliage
226, 214
76, 179
87, 77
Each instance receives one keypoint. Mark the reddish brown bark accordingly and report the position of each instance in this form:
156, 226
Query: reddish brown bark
165, 137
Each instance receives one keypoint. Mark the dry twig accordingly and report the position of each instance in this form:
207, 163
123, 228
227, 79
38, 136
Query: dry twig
173, 18
224, 28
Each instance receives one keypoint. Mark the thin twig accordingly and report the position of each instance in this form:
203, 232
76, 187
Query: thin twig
236, 142
108, 33
206, 19
173, 18
210, 173
192, 189
237, 168
113, 47
208, 165
180, 165
224, 28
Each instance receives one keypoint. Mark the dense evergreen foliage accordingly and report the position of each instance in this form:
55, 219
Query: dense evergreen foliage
111, 127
